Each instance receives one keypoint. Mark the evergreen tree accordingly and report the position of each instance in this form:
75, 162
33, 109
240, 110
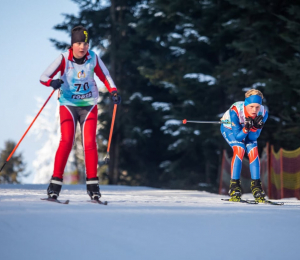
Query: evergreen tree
214, 51
190, 59
266, 57
14, 168
189, 46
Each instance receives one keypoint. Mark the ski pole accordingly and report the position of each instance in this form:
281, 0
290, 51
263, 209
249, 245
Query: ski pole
13, 151
184, 121
106, 159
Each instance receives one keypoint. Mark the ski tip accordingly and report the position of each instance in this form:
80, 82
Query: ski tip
275, 203
102, 202
256, 202
98, 202
184, 121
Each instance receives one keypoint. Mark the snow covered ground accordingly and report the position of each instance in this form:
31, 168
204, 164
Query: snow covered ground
143, 223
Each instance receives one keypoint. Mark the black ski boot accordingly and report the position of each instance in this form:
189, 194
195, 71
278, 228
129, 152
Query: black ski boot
235, 190
257, 191
93, 190
54, 187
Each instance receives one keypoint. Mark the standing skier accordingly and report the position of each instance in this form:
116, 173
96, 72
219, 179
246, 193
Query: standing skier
78, 103
246, 120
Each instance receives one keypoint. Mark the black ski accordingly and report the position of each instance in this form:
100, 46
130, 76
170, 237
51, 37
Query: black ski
57, 201
242, 201
270, 202
98, 202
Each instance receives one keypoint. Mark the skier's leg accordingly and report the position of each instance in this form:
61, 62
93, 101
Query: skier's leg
88, 123
67, 125
237, 159
88, 128
238, 152
256, 188
254, 162
235, 190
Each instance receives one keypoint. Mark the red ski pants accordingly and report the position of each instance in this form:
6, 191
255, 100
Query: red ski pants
87, 118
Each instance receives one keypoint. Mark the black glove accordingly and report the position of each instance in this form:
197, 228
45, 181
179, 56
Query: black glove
56, 83
115, 97
248, 123
258, 122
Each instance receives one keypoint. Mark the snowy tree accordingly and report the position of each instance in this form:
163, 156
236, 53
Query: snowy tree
189, 59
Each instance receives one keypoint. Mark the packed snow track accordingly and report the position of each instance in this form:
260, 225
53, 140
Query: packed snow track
144, 224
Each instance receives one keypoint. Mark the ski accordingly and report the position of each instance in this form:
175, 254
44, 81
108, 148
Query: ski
242, 201
98, 202
270, 202
57, 201
255, 202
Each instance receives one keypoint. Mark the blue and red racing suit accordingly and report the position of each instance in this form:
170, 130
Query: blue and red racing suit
78, 98
241, 140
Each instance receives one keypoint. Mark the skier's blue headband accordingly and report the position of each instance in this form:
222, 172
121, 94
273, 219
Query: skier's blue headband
253, 99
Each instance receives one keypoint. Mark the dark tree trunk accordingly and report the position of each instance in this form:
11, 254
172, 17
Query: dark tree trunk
113, 173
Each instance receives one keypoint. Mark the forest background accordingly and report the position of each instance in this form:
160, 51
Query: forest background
186, 59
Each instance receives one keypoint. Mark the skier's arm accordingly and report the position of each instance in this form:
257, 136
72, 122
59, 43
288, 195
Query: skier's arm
52, 70
254, 132
103, 74
238, 130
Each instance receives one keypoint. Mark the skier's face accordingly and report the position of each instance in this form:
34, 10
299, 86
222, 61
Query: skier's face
80, 49
253, 109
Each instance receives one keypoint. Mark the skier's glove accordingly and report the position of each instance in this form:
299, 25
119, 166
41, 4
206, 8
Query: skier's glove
56, 83
258, 122
115, 97
248, 123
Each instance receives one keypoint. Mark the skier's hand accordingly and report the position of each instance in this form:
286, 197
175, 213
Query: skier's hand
56, 83
248, 123
258, 122
116, 98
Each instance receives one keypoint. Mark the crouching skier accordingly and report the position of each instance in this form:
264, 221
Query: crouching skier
246, 122
78, 103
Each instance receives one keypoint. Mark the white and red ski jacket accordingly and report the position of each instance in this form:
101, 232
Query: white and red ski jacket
79, 87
